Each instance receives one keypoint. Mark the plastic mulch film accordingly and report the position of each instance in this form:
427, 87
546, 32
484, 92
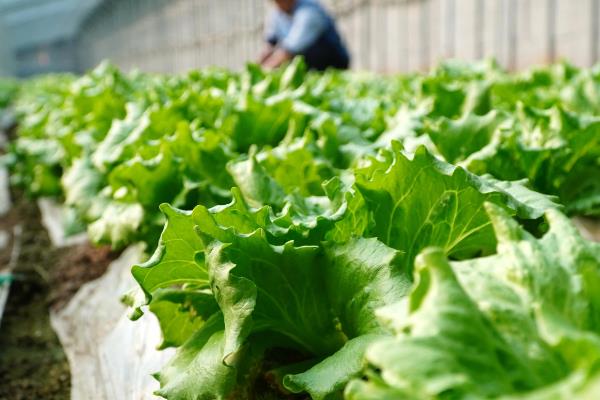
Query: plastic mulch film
6, 244
111, 357
53, 217
5, 203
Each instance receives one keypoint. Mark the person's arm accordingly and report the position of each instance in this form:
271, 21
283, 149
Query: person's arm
271, 39
307, 26
266, 52
278, 57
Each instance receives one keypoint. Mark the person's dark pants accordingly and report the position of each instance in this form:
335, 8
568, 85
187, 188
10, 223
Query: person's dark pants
323, 55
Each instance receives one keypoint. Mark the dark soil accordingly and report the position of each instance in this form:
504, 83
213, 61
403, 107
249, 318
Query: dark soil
75, 266
33, 364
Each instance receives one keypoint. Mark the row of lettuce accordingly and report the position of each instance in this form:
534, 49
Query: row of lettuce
340, 234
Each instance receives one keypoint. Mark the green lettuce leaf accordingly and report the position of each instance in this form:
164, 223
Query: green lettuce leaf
415, 201
520, 324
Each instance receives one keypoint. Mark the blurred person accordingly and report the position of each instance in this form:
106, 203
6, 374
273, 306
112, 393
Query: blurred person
303, 27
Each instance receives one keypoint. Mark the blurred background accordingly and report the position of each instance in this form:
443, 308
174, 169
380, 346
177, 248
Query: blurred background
38, 36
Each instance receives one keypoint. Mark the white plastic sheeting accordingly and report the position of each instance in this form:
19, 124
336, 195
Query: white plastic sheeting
4, 193
5, 236
53, 219
4, 290
4, 181
111, 357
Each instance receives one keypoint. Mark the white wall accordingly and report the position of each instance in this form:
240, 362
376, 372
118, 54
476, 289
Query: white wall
383, 35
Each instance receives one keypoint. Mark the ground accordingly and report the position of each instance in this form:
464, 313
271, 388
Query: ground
33, 364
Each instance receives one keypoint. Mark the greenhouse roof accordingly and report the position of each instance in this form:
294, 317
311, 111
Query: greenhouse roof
31, 22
